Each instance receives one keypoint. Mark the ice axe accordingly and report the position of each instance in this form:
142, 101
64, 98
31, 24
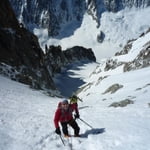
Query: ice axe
62, 140
86, 123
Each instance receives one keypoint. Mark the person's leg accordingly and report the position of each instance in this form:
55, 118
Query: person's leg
75, 126
64, 128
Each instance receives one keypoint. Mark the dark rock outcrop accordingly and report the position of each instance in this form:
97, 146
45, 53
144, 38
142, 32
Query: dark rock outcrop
126, 48
141, 61
20, 50
122, 103
112, 89
55, 58
78, 53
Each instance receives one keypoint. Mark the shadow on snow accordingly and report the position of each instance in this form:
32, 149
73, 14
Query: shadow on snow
66, 83
93, 132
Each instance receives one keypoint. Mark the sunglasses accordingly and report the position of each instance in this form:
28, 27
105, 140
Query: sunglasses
65, 104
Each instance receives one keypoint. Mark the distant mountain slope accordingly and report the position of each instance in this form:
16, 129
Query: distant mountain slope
115, 31
103, 25
58, 15
110, 76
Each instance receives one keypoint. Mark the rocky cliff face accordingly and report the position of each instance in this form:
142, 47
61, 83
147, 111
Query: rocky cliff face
78, 53
142, 60
51, 14
21, 57
58, 15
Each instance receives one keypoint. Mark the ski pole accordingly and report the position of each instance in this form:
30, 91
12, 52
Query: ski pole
80, 99
86, 123
62, 140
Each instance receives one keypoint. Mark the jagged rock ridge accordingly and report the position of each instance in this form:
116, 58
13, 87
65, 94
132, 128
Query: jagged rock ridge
55, 58
20, 49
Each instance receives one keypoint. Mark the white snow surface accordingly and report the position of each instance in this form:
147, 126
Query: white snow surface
26, 115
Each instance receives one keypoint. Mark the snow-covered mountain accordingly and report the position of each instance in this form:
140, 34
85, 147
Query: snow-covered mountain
58, 15
135, 56
115, 90
115, 104
105, 26
115, 31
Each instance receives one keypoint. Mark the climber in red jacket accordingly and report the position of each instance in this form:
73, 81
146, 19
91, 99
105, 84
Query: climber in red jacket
64, 115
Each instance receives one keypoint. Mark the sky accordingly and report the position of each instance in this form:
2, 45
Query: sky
26, 115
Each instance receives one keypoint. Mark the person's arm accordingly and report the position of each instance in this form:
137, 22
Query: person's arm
56, 118
76, 108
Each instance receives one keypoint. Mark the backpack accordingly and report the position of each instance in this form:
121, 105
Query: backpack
59, 105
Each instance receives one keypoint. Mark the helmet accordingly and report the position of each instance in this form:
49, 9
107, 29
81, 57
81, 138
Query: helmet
65, 101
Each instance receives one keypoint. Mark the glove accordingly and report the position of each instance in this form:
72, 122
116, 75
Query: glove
57, 131
76, 116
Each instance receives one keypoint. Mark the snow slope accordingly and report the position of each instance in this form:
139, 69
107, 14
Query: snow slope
26, 115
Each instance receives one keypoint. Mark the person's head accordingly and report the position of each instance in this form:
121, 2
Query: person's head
65, 104
73, 99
